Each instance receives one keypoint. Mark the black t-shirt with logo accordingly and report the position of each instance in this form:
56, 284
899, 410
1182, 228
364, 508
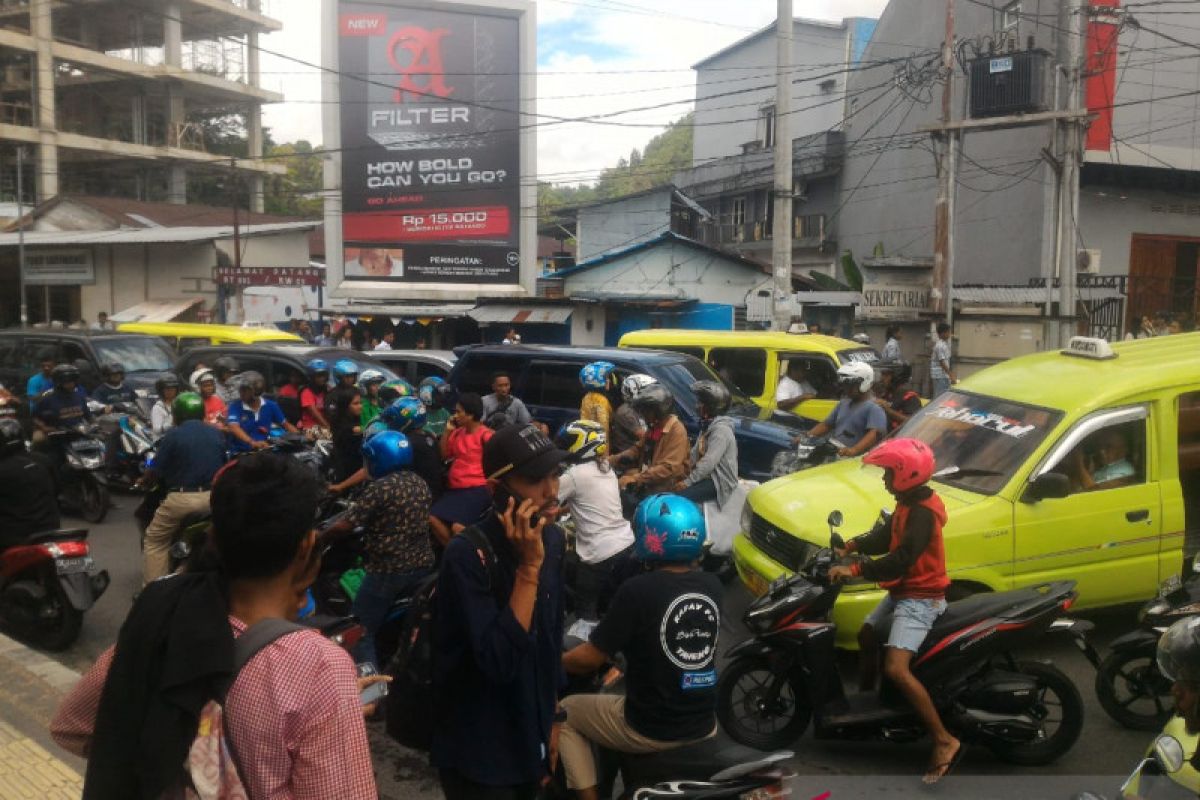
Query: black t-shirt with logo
666, 624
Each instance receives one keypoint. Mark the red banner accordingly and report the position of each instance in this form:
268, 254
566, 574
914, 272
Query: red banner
269, 276
443, 224
1101, 69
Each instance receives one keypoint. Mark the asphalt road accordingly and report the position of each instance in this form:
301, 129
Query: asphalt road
1103, 755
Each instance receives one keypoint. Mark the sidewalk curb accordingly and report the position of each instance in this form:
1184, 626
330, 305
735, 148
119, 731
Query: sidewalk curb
59, 677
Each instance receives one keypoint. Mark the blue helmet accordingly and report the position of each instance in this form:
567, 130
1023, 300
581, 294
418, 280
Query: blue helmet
596, 375
344, 367
667, 527
387, 452
315, 366
428, 389
405, 414
373, 427
392, 390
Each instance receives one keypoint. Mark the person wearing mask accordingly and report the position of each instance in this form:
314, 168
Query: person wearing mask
312, 399
187, 460
498, 635
292, 715
65, 405
215, 410
603, 538
628, 427
436, 394
941, 376
666, 624
856, 421
28, 498
394, 513
891, 348
162, 413
501, 402
346, 417
714, 459
252, 416
794, 388
368, 383
913, 571
225, 368
41, 381
386, 342
114, 390
595, 406
661, 457
896, 397
466, 497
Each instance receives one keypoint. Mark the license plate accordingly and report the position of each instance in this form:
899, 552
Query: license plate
71, 566
756, 583
1170, 586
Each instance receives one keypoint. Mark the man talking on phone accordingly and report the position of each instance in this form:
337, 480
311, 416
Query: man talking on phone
498, 633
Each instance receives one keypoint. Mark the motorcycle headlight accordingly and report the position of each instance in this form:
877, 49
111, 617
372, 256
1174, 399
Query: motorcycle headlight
74, 460
747, 516
92, 461
1169, 753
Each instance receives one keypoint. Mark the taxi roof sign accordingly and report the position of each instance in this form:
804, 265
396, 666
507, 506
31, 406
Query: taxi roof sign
1089, 347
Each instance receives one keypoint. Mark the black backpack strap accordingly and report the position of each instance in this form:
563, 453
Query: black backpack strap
258, 636
483, 545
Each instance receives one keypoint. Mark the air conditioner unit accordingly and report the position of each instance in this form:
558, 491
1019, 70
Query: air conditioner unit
1014, 83
1088, 262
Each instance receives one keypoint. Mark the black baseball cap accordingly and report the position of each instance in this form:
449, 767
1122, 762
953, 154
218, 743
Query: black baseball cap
524, 451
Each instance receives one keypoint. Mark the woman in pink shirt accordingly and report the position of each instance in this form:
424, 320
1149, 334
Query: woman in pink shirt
466, 498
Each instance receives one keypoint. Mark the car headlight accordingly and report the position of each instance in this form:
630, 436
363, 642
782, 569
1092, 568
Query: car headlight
1169, 753
747, 516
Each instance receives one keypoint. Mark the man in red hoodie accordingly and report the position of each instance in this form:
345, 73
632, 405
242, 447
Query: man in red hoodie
913, 570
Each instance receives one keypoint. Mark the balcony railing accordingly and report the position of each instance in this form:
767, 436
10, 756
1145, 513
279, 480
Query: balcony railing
808, 231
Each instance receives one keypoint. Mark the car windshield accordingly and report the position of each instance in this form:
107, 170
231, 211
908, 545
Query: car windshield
680, 375
979, 441
135, 353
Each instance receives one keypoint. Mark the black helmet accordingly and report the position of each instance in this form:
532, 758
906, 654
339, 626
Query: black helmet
254, 380
713, 397
1179, 651
656, 399
64, 373
12, 441
166, 382
224, 364
901, 371
112, 368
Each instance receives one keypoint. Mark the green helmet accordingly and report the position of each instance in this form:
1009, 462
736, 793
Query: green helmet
187, 406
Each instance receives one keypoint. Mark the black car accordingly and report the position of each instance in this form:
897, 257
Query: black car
417, 365
275, 362
546, 378
145, 358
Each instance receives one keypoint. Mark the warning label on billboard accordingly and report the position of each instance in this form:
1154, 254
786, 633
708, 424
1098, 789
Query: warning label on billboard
430, 145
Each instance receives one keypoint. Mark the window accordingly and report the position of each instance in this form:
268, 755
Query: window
827, 86
1104, 452
10, 354
1189, 469
476, 374
426, 369
820, 372
1010, 16
767, 125
744, 367
810, 226
31, 353
738, 217
135, 353
185, 343
555, 385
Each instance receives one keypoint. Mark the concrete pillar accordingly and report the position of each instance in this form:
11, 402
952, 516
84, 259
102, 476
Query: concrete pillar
172, 34
254, 147
253, 68
258, 200
42, 28
177, 185
176, 114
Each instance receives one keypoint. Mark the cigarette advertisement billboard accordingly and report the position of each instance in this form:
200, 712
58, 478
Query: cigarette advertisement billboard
430, 127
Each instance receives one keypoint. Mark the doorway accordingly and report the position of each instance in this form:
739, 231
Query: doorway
1163, 275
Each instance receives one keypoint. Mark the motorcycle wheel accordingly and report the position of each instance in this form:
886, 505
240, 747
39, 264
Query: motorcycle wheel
740, 710
1060, 704
54, 632
93, 500
1132, 690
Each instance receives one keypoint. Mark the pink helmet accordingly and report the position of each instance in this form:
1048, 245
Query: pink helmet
911, 462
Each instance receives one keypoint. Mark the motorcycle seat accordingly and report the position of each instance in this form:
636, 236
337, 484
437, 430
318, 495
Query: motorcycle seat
65, 535
978, 607
697, 761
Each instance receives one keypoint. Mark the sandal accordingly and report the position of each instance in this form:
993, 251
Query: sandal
936, 773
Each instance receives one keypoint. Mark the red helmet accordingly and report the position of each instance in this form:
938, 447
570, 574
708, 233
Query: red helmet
911, 462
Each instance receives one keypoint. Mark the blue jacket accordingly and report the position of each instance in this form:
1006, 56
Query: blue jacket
495, 685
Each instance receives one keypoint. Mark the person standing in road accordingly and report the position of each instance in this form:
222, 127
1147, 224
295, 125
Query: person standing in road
941, 376
497, 640
501, 401
386, 342
891, 348
325, 338
28, 500
103, 323
345, 337
188, 458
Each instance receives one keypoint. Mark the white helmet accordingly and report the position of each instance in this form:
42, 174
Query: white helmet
634, 385
200, 376
856, 372
861, 338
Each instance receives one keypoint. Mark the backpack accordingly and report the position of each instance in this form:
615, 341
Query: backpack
211, 768
409, 708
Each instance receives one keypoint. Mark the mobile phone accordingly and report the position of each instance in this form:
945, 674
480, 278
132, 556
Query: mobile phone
376, 691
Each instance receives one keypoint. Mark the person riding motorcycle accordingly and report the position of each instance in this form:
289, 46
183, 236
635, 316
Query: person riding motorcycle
161, 414
666, 623
345, 376
1178, 658
662, 454
215, 410
857, 421
368, 383
225, 368
65, 405
312, 398
714, 473
252, 416
628, 427
113, 390
595, 406
405, 415
913, 571
28, 499
438, 397
188, 458
896, 397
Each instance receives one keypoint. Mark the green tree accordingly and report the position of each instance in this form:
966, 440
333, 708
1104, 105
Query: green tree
299, 193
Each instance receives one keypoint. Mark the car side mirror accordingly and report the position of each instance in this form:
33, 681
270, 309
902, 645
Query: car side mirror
1047, 486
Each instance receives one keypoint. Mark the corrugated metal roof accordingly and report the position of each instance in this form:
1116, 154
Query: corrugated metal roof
156, 310
406, 311
149, 235
1023, 294
511, 314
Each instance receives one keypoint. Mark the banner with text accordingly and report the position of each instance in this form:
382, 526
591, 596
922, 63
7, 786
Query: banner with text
430, 145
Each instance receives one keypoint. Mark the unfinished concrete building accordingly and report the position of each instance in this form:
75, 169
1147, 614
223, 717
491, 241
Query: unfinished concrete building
108, 97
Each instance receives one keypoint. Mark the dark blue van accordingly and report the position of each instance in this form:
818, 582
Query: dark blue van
546, 378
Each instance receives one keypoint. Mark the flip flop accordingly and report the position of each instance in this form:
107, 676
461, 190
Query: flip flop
945, 768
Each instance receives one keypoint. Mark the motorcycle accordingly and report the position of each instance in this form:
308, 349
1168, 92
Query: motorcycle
712, 768
1128, 684
809, 453
1166, 772
786, 675
83, 487
132, 441
46, 584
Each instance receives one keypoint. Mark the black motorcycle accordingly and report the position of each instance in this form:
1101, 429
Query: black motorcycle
810, 452
82, 485
1026, 712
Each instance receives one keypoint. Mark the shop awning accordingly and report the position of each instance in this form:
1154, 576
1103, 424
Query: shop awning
513, 314
157, 310
404, 311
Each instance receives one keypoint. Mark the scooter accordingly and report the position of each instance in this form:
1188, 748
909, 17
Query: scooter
83, 487
1166, 772
1128, 684
1026, 712
809, 453
46, 584
133, 441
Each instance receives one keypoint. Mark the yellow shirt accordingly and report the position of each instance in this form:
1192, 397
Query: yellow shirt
595, 407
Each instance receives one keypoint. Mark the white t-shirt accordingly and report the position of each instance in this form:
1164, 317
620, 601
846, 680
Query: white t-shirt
592, 497
383, 346
160, 418
789, 388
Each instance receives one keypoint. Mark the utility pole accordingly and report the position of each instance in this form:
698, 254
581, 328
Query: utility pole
21, 234
1069, 174
943, 214
781, 241
237, 241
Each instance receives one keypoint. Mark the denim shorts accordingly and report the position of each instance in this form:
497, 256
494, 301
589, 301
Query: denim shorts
910, 620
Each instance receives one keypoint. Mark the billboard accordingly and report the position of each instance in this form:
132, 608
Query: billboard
429, 117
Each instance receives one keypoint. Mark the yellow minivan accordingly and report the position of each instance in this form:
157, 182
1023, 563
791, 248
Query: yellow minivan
185, 335
1082, 464
754, 361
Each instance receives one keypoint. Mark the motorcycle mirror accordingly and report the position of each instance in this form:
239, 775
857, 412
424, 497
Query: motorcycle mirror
835, 518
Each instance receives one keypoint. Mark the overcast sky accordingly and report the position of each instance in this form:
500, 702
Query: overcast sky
594, 56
